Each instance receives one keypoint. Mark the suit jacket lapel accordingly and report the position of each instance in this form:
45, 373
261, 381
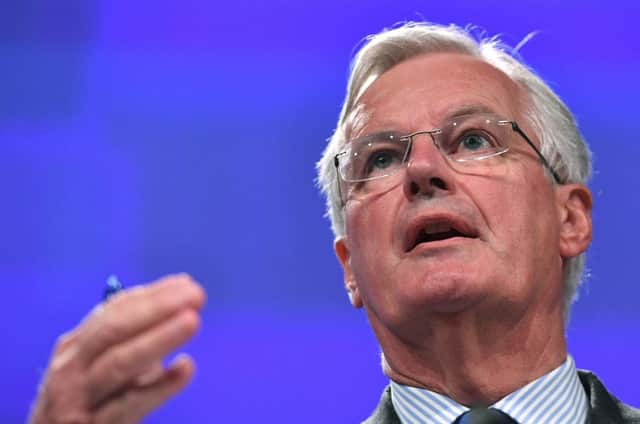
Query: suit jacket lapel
603, 407
384, 412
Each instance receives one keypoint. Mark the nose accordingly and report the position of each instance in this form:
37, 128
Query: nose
428, 172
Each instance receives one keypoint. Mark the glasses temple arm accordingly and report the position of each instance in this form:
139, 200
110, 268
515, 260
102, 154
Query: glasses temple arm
517, 129
336, 163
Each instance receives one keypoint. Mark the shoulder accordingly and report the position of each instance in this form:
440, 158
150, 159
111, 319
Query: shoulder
603, 406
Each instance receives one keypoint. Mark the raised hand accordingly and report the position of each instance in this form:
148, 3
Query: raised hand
109, 369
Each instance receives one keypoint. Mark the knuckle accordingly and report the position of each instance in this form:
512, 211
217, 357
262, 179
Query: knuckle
119, 365
65, 363
111, 328
107, 378
64, 341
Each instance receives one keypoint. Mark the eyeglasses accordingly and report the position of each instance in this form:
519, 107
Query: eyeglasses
468, 142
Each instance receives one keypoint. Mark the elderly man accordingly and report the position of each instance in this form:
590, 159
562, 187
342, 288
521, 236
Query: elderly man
455, 187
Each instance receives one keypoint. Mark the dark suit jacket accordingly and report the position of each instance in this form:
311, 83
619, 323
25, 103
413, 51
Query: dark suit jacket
604, 408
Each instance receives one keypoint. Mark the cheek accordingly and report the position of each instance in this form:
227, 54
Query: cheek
516, 209
363, 237
369, 224
523, 218
370, 233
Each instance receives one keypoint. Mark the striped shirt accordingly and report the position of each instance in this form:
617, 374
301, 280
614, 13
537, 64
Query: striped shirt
556, 397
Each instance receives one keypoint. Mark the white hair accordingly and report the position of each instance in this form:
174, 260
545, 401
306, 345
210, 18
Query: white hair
561, 142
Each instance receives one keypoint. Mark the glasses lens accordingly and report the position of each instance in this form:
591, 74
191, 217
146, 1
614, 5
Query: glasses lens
373, 157
473, 138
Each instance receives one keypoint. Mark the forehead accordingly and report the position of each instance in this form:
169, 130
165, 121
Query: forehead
426, 89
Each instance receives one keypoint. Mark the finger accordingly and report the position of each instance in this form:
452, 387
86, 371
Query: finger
121, 365
150, 375
135, 310
54, 403
132, 405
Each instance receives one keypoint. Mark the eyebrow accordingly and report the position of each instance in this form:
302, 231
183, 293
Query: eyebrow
469, 109
359, 118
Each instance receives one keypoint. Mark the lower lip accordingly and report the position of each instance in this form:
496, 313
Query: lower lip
439, 244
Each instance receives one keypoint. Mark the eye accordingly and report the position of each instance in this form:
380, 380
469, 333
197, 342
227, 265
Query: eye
474, 142
381, 160
376, 156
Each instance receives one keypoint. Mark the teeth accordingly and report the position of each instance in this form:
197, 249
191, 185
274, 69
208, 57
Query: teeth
437, 228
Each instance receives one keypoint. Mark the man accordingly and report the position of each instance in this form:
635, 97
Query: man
455, 187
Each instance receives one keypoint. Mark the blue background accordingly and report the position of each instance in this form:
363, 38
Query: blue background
149, 137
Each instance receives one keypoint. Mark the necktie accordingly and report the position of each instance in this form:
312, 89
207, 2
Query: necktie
484, 416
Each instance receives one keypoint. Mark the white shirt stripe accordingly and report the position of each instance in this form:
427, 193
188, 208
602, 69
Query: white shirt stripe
556, 397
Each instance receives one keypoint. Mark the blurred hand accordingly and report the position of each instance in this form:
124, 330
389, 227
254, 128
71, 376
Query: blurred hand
109, 369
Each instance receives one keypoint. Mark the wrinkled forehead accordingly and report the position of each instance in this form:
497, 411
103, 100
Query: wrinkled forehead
423, 91
357, 119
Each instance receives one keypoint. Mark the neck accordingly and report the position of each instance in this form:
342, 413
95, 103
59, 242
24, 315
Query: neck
475, 364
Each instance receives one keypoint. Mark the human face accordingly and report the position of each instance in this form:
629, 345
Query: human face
508, 255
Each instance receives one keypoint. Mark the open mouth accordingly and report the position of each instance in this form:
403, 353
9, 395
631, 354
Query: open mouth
437, 231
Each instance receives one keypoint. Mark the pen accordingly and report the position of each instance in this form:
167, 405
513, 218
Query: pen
113, 286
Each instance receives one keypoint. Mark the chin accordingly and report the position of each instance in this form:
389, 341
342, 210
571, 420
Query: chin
441, 292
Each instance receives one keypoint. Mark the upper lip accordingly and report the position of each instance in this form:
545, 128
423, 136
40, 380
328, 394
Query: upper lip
445, 224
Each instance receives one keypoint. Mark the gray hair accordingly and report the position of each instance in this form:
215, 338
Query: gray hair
561, 142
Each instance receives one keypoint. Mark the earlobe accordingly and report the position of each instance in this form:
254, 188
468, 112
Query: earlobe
576, 228
341, 247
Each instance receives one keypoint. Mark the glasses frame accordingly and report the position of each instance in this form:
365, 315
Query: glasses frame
409, 138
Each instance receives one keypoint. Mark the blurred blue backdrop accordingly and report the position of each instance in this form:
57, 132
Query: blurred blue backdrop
148, 137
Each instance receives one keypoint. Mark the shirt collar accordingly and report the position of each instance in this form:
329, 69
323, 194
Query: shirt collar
557, 396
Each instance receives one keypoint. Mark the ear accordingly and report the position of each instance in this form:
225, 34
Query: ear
576, 230
341, 247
